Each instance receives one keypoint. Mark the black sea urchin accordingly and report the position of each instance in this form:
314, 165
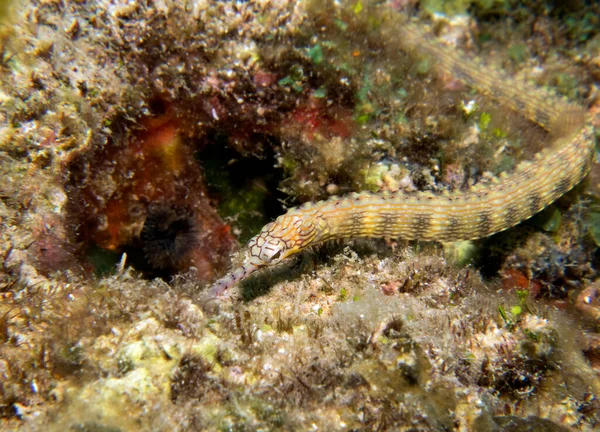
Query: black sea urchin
169, 234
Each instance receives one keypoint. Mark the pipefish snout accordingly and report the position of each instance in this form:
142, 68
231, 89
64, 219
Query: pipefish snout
462, 215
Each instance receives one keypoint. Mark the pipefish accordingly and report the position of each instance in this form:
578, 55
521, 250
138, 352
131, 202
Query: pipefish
462, 215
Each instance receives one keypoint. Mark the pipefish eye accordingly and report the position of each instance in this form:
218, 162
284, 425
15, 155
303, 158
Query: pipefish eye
272, 250
267, 249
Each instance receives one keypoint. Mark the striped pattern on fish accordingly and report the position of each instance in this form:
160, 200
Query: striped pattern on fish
461, 215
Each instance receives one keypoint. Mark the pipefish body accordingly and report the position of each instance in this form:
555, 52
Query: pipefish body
462, 215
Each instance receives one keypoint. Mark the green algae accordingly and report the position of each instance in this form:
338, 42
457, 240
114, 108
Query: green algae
484, 121
316, 54
103, 261
462, 253
548, 220
245, 200
294, 79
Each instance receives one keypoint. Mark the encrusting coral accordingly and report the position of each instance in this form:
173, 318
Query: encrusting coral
140, 141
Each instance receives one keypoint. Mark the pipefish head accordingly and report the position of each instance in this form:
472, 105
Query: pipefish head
287, 235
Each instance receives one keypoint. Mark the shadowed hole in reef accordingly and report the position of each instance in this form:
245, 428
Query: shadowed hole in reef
243, 189
152, 193
246, 189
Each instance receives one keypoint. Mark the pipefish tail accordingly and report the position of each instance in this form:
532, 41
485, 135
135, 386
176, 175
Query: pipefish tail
462, 215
